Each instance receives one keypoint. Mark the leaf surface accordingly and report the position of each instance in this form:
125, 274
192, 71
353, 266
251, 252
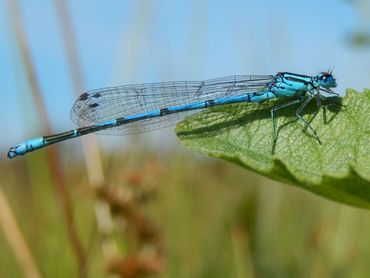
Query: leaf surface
338, 169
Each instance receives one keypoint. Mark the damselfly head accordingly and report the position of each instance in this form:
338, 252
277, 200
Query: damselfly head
326, 80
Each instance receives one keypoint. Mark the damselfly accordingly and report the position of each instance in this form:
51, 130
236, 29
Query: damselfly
144, 107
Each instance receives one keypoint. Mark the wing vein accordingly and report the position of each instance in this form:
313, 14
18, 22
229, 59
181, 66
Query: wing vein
114, 102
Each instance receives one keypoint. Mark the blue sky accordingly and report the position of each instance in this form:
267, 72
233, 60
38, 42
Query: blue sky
121, 42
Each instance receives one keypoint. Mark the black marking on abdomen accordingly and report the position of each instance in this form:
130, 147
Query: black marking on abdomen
164, 111
84, 96
97, 95
51, 139
209, 103
121, 121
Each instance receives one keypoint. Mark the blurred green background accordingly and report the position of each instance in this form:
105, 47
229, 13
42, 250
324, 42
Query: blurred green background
143, 205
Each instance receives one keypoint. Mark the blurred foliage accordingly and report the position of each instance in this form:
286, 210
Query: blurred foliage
360, 35
211, 219
360, 39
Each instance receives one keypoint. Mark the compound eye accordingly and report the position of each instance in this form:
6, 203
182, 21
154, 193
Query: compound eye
324, 76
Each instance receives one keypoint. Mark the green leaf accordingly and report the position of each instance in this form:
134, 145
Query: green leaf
339, 169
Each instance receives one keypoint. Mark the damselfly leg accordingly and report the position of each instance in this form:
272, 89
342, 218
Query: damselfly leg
276, 108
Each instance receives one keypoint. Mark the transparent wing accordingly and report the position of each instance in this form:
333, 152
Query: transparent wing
114, 102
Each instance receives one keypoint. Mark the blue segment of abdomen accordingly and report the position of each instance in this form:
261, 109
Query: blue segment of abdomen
154, 113
26, 147
192, 106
